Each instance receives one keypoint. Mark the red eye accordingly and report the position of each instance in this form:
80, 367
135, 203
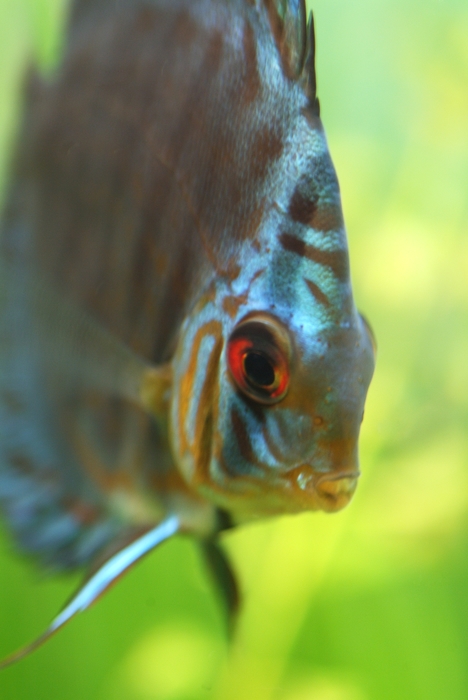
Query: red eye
258, 358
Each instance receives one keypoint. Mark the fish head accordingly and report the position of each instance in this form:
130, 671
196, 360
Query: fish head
266, 409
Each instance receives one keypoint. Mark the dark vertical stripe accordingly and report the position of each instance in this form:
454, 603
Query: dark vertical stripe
317, 292
301, 208
266, 149
242, 437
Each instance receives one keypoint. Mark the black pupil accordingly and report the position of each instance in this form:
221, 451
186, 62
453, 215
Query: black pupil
258, 369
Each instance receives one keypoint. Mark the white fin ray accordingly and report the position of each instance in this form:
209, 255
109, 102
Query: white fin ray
98, 583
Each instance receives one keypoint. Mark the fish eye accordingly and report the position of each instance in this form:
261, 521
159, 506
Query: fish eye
259, 370
258, 355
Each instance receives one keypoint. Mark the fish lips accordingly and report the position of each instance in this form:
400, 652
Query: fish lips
329, 492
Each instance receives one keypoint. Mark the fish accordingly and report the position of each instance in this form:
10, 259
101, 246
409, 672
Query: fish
180, 348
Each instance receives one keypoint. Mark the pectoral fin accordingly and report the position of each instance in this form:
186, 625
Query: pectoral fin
91, 357
101, 580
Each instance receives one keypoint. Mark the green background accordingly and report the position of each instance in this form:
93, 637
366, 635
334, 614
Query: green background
371, 603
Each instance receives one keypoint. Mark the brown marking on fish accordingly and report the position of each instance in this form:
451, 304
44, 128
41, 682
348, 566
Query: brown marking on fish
293, 244
253, 224
266, 148
317, 292
232, 270
231, 305
242, 437
302, 209
326, 218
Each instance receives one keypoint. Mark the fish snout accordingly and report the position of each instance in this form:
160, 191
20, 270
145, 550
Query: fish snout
335, 490
330, 492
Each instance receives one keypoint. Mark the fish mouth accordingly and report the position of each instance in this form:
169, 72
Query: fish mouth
329, 492
336, 490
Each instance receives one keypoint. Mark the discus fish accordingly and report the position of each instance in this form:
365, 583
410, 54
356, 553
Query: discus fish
180, 348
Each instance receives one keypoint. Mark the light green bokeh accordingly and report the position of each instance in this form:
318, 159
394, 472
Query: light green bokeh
371, 603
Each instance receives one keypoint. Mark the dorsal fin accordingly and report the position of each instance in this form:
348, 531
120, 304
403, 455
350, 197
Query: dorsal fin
288, 25
100, 580
308, 75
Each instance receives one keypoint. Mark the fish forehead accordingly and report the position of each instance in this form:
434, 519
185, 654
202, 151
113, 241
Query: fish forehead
298, 262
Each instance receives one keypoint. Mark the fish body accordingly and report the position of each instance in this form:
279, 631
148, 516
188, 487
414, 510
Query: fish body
178, 334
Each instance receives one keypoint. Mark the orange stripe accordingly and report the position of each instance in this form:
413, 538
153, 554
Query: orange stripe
188, 380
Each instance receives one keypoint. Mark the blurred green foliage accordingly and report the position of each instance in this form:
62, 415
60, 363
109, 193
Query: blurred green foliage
371, 603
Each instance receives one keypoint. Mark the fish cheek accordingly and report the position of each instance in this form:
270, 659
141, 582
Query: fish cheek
207, 417
195, 398
238, 420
